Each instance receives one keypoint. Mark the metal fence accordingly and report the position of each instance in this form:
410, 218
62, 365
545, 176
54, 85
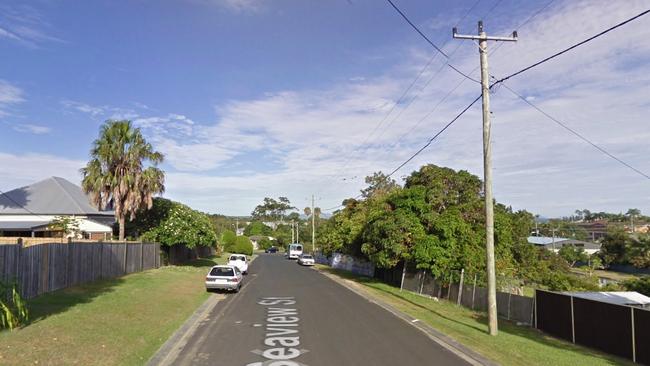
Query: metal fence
616, 329
461, 289
46, 267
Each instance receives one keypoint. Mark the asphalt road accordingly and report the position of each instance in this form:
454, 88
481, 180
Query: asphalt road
289, 315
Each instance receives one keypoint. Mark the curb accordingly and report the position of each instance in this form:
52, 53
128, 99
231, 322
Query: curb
169, 351
443, 340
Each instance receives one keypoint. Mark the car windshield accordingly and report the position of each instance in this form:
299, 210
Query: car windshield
307, 257
222, 272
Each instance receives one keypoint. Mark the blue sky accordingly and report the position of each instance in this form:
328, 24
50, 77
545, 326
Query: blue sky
253, 98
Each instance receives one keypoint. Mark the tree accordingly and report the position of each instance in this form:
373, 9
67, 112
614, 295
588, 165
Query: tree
641, 285
265, 243
378, 184
116, 175
614, 247
272, 210
228, 240
180, 225
573, 255
257, 228
632, 213
243, 245
68, 225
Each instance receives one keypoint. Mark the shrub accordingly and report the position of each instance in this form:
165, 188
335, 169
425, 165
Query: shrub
243, 245
13, 309
641, 285
265, 243
228, 240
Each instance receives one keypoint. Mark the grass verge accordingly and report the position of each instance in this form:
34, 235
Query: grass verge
120, 321
515, 345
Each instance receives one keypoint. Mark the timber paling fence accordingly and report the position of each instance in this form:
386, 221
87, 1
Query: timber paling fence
47, 267
616, 329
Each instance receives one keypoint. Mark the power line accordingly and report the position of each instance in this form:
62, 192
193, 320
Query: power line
429, 41
574, 132
426, 145
571, 48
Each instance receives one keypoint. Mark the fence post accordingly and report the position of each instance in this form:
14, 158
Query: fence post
460, 286
449, 287
401, 285
424, 275
535, 308
17, 275
474, 291
141, 256
126, 251
509, 299
633, 336
573, 327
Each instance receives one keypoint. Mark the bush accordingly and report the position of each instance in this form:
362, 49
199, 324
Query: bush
641, 285
242, 245
228, 240
265, 243
13, 309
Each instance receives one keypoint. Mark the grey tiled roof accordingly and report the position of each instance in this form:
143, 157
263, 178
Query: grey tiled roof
52, 196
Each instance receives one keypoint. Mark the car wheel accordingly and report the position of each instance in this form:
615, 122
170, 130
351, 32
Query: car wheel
237, 289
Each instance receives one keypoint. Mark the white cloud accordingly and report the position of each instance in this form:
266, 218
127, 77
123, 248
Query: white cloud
25, 25
35, 129
84, 108
9, 95
236, 6
24, 169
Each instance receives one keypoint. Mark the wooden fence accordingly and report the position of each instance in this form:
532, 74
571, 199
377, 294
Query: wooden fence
48, 267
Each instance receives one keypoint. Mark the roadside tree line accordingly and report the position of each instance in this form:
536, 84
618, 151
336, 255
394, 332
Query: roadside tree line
435, 220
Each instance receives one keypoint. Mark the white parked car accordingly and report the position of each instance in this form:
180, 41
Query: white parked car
240, 261
306, 260
224, 278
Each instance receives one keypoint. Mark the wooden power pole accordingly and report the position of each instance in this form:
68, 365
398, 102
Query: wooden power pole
487, 169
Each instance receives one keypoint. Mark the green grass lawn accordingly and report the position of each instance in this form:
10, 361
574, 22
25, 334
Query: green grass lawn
120, 321
515, 345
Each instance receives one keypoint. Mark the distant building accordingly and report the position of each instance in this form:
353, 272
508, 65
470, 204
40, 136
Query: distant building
595, 230
28, 211
555, 244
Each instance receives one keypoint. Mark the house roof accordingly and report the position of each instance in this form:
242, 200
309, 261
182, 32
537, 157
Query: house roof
20, 225
52, 196
560, 242
614, 297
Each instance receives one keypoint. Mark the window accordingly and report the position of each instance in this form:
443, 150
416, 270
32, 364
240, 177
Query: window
222, 272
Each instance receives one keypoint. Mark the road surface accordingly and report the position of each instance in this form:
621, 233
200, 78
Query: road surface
288, 315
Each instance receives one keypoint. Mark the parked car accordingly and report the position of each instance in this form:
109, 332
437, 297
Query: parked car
306, 260
224, 278
271, 250
240, 261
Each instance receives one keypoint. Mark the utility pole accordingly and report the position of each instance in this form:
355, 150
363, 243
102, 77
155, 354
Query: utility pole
487, 169
553, 233
293, 235
237, 227
313, 226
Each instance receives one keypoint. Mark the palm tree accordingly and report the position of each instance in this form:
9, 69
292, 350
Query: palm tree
116, 174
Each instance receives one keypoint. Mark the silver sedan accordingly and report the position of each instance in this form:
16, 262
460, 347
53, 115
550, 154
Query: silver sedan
224, 278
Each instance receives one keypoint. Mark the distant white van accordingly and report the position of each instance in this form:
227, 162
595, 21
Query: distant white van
295, 251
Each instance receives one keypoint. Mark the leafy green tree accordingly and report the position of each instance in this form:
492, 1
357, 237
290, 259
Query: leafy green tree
379, 184
641, 285
243, 245
272, 210
228, 240
257, 228
117, 175
638, 252
68, 225
614, 246
265, 243
282, 234
182, 225
573, 255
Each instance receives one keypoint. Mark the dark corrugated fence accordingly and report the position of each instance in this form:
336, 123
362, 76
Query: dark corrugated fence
51, 266
616, 329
